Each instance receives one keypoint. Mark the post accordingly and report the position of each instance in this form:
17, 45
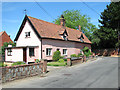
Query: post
84, 58
69, 63
44, 61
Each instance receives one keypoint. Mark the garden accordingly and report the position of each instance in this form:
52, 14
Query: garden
62, 61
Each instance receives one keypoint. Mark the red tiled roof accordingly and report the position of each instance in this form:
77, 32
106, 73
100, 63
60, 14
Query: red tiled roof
1, 33
50, 30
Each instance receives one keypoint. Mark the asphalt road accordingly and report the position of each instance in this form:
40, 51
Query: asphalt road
101, 73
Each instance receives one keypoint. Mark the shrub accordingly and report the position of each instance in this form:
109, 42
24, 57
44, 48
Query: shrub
87, 51
2, 64
79, 54
56, 55
73, 55
18, 63
61, 60
37, 60
65, 59
62, 57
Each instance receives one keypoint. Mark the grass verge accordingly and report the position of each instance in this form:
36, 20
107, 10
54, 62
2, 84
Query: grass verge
56, 64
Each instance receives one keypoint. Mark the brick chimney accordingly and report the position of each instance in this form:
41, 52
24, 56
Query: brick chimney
80, 28
62, 20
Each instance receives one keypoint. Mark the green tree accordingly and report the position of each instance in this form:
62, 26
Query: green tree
74, 18
2, 50
110, 22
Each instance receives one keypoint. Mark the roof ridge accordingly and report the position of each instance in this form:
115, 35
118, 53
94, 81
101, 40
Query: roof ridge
51, 23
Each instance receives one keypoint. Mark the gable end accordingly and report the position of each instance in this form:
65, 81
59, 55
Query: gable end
22, 26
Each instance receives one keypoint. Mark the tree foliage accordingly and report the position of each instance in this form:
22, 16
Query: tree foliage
74, 18
2, 50
107, 35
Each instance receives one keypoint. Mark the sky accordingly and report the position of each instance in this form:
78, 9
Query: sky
13, 12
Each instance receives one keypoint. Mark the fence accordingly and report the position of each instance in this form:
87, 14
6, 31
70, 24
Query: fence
21, 71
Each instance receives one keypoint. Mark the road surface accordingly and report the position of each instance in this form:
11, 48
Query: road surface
101, 73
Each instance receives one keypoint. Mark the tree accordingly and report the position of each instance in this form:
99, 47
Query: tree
110, 21
74, 18
2, 50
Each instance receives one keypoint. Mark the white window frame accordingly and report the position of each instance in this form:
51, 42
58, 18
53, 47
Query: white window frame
64, 53
49, 49
9, 52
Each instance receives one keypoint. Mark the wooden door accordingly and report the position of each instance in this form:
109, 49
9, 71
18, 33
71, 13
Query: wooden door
24, 55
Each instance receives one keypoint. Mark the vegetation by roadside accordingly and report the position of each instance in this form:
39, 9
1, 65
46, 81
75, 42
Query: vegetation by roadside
2, 64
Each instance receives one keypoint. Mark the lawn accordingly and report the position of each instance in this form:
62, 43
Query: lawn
56, 63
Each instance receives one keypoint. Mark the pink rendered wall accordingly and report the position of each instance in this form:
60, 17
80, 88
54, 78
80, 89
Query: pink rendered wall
36, 52
72, 47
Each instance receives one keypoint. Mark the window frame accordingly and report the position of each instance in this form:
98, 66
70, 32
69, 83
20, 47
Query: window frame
65, 53
47, 54
9, 53
30, 51
27, 34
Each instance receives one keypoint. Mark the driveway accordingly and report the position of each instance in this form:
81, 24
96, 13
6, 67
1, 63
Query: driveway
101, 73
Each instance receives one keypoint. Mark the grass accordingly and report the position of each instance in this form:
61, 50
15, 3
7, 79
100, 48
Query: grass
56, 64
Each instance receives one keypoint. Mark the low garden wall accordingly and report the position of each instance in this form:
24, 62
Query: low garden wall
21, 71
73, 61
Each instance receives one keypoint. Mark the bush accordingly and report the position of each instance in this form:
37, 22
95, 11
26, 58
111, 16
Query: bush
65, 59
79, 54
2, 64
61, 60
37, 60
73, 55
18, 63
87, 51
56, 55
62, 57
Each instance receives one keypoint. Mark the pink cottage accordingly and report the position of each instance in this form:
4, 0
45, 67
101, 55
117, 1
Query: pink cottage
38, 39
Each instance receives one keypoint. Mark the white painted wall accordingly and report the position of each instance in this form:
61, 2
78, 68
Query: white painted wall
33, 40
17, 55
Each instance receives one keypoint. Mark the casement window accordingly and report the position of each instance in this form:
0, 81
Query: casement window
81, 40
27, 34
48, 51
64, 37
9, 52
31, 51
64, 51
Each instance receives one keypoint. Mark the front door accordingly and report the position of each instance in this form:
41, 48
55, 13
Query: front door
24, 55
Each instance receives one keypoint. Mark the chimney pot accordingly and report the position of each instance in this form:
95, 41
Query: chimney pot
80, 28
62, 20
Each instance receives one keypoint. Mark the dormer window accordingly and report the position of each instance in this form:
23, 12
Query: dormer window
27, 34
64, 37
81, 38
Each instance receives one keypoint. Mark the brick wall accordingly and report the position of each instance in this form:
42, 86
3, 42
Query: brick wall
71, 62
106, 52
81, 59
21, 71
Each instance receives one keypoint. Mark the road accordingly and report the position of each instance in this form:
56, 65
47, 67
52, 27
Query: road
101, 73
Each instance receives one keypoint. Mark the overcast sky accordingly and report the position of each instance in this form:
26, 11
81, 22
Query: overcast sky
13, 12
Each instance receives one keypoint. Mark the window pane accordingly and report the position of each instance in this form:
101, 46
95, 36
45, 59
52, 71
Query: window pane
31, 51
48, 51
